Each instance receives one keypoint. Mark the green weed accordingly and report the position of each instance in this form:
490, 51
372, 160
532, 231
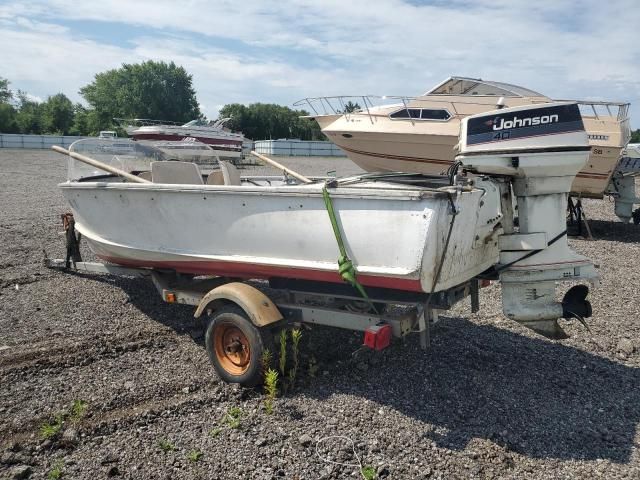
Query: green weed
267, 358
232, 418
214, 432
78, 409
166, 445
368, 472
271, 389
296, 335
56, 471
194, 455
50, 430
283, 351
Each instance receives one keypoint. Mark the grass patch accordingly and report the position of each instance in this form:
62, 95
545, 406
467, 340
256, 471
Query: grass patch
51, 430
78, 409
214, 432
56, 471
166, 445
368, 472
194, 455
233, 416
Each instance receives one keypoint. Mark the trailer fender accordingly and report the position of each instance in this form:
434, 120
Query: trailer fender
260, 309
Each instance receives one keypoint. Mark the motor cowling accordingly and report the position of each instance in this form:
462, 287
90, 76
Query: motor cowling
538, 150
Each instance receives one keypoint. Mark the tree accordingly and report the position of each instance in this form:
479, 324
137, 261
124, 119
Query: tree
8, 123
269, 121
635, 136
154, 90
58, 114
5, 94
351, 107
30, 115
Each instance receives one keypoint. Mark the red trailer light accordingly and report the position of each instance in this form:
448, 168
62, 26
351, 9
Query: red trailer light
378, 336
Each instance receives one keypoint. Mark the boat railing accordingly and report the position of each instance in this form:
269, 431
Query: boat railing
601, 110
144, 122
343, 104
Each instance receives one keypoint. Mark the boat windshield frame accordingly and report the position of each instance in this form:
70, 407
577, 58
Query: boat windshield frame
497, 89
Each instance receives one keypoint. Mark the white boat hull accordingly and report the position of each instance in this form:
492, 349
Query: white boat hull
395, 237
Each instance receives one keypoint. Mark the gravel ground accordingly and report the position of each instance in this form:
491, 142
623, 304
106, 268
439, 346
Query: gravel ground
489, 400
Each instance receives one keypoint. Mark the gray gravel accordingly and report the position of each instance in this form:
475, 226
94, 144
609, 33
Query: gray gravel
490, 400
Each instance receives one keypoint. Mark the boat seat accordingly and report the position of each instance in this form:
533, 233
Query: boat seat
215, 178
182, 173
230, 173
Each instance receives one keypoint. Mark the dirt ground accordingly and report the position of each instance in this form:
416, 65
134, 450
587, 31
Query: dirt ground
100, 378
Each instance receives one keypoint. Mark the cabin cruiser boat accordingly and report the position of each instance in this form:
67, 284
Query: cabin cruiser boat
398, 232
213, 133
419, 134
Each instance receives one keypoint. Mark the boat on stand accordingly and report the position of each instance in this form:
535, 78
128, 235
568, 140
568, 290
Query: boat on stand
223, 142
288, 249
419, 134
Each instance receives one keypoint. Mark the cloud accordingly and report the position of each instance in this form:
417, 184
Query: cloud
258, 51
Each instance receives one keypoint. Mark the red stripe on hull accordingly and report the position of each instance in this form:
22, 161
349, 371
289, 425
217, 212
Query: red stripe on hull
252, 270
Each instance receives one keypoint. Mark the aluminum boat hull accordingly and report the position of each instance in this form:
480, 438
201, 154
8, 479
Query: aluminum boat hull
395, 236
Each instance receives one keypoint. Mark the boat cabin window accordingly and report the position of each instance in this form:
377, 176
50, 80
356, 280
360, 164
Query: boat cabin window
421, 114
435, 114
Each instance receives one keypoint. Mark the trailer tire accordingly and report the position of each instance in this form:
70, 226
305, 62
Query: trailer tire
235, 346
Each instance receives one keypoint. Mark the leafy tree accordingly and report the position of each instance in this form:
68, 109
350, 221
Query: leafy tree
270, 121
58, 114
5, 94
8, 123
351, 107
635, 136
30, 115
155, 90
82, 120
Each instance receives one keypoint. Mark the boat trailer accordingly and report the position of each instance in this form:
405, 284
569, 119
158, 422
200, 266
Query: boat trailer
243, 316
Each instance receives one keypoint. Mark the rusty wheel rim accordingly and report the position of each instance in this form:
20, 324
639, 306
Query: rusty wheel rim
232, 348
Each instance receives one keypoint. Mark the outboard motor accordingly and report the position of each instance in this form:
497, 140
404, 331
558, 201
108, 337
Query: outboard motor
536, 152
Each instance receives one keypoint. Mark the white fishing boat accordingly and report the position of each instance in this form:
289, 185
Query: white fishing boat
401, 237
419, 134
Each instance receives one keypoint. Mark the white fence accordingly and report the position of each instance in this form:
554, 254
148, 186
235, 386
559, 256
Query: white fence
298, 148
11, 140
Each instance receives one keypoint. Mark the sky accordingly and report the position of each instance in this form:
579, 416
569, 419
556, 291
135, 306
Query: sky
278, 52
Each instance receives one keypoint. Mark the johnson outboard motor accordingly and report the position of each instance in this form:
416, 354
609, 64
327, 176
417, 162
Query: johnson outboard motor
536, 150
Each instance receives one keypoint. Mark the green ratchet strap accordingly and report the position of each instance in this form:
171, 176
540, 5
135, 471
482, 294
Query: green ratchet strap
345, 265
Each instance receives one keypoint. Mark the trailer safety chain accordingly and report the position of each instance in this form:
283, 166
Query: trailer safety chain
346, 269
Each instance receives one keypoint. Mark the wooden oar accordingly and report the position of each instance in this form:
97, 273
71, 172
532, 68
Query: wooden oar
100, 165
279, 166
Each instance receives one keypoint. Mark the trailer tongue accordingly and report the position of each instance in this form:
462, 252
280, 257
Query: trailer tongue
403, 239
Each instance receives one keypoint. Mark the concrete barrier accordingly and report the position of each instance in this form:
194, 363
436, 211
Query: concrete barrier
41, 142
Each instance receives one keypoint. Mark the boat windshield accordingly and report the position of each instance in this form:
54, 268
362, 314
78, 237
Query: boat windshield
195, 123
476, 86
124, 154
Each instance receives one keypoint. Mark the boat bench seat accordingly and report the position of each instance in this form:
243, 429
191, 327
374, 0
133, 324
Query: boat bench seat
182, 173
227, 175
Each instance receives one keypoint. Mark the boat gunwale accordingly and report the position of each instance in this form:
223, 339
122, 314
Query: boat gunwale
350, 191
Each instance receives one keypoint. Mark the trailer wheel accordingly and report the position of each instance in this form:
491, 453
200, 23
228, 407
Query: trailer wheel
235, 346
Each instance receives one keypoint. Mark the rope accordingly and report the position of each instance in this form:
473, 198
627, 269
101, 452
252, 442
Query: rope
346, 269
